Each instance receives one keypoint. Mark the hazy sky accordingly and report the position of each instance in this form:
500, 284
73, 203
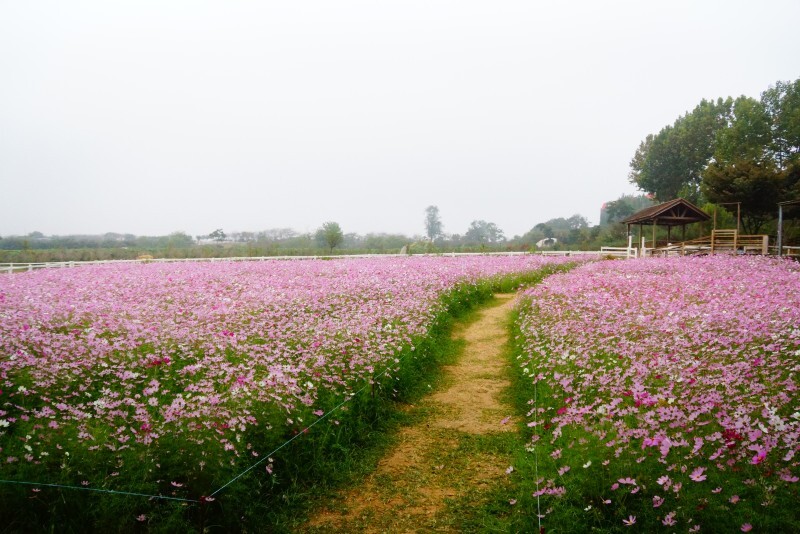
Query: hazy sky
149, 117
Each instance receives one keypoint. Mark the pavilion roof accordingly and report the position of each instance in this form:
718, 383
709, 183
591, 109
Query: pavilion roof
676, 212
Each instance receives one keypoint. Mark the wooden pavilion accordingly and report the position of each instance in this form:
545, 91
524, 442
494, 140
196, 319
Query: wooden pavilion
678, 212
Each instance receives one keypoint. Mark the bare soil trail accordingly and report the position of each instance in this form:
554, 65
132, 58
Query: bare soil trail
442, 464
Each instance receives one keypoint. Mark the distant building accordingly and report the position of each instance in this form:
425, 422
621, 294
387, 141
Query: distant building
546, 242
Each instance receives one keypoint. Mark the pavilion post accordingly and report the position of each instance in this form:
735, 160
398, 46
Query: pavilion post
655, 224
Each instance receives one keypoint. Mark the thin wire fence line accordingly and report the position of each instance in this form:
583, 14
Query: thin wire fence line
97, 490
536, 454
305, 430
321, 418
234, 479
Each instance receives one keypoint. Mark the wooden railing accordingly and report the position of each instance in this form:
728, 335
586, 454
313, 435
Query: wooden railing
719, 242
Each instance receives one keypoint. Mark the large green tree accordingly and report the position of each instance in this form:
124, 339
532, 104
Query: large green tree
747, 136
755, 164
754, 186
744, 151
670, 163
782, 104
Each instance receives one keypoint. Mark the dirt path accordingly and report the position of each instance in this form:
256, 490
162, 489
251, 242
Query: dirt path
452, 458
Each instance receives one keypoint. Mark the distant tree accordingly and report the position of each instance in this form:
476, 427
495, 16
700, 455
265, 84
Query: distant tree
616, 210
383, 242
179, 240
217, 235
577, 222
36, 235
483, 232
433, 224
623, 207
243, 237
330, 235
277, 234
545, 230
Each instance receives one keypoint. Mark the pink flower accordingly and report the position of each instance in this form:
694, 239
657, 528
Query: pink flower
734, 499
697, 475
630, 521
747, 527
657, 501
627, 480
141, 518
669, 520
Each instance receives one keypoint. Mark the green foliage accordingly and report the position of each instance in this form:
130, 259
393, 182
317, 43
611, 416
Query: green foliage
782, 104
747, 136
756, 185
482, 232
730, 151
670, 163
217, 235
623, 207
433, 223
330, 235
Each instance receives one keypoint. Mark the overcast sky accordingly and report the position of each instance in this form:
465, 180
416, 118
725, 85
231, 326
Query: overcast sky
150, 117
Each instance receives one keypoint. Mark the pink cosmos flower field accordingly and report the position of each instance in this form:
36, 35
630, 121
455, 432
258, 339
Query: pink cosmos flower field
669, 387
109, 369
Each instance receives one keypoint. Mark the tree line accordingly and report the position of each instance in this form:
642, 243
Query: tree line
480, 236
741, 153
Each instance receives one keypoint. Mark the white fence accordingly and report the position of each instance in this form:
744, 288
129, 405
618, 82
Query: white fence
9, 268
